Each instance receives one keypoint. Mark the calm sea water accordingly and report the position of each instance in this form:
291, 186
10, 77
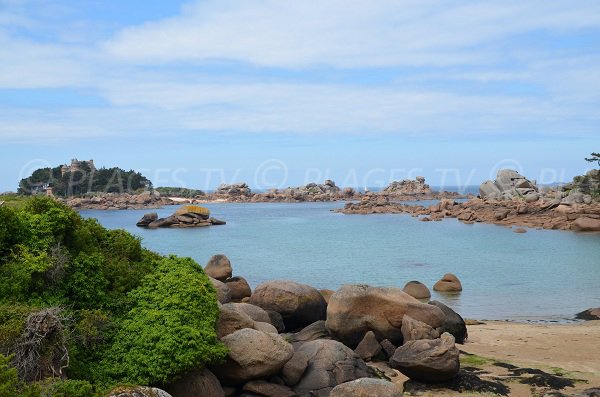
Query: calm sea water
539, 275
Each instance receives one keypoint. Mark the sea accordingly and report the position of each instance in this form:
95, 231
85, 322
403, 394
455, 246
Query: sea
541, 275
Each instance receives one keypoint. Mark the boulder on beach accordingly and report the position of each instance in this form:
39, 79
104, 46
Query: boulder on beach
589, 314
453, 323
448, 283
219, 267
426, 360
298, 304
415, 330
417, 290
369, 347
356, 309
366, 387
232, 318
329, 364
223, 291
586, 224
252, 355
294, 369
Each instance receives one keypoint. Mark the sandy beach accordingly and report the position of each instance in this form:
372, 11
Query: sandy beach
571, 351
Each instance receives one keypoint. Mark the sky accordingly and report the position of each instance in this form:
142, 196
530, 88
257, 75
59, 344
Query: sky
280, 93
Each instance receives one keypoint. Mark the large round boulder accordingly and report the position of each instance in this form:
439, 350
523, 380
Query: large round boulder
256, 313
231, 319
427, 360
329, 364
252, 355
453, 323
356, 309
448, 283
366, 387
200, 382
219, 267
239, 287
417, 290
298, 304
586, 224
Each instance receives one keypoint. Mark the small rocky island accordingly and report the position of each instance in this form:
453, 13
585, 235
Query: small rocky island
186, 216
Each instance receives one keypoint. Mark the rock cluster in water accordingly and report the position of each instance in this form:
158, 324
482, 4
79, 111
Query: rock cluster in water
186, 216
290, 339
407, 186
118, 201
521, 203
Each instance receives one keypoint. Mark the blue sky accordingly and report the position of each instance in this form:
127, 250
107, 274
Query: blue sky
280, 93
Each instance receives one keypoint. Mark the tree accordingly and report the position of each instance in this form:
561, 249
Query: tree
595, 157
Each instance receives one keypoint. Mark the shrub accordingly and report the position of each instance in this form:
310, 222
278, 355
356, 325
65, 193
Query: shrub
170, 330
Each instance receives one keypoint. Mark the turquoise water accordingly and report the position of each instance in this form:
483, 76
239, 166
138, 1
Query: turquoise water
539, 275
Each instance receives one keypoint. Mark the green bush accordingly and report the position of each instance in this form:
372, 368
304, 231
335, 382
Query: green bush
131, 315
9, 383
171, 329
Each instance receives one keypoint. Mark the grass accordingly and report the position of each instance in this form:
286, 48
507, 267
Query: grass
473, 360
13, 200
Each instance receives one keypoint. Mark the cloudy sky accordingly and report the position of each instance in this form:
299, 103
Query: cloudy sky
279, 93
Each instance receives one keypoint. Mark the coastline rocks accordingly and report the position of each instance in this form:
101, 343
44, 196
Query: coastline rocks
265, 389
147, 219
117, 201
234, 189
509, 184
366, 387
407, 186
416, 330
223, 291
453, 323
252, 354
369, 347
138, 391
239, 287
200, 382
354, 310
417, 290
294, 369
429, 361
448, 283
219, 267
231, 319
589, 314
314, 331
586, 224
298, 304
329, 364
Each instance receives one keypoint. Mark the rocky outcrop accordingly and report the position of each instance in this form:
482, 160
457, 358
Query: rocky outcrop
219, 267
354, 310
586, 224
117, 201
428, 360
509, 184
448, 283
298, 304
234, 189
417, 290
223, 291
200, 382
252, 355
369, 347
416, 330
366, 387
329, 364
186, 216
407, 187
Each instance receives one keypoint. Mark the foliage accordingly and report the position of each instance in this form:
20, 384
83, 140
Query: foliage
179, 192
171, 327
133, 315
82, 181
9, 382
595, 157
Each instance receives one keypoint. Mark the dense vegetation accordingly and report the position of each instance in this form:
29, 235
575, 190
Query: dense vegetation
179, 192
84, 180
83, 308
